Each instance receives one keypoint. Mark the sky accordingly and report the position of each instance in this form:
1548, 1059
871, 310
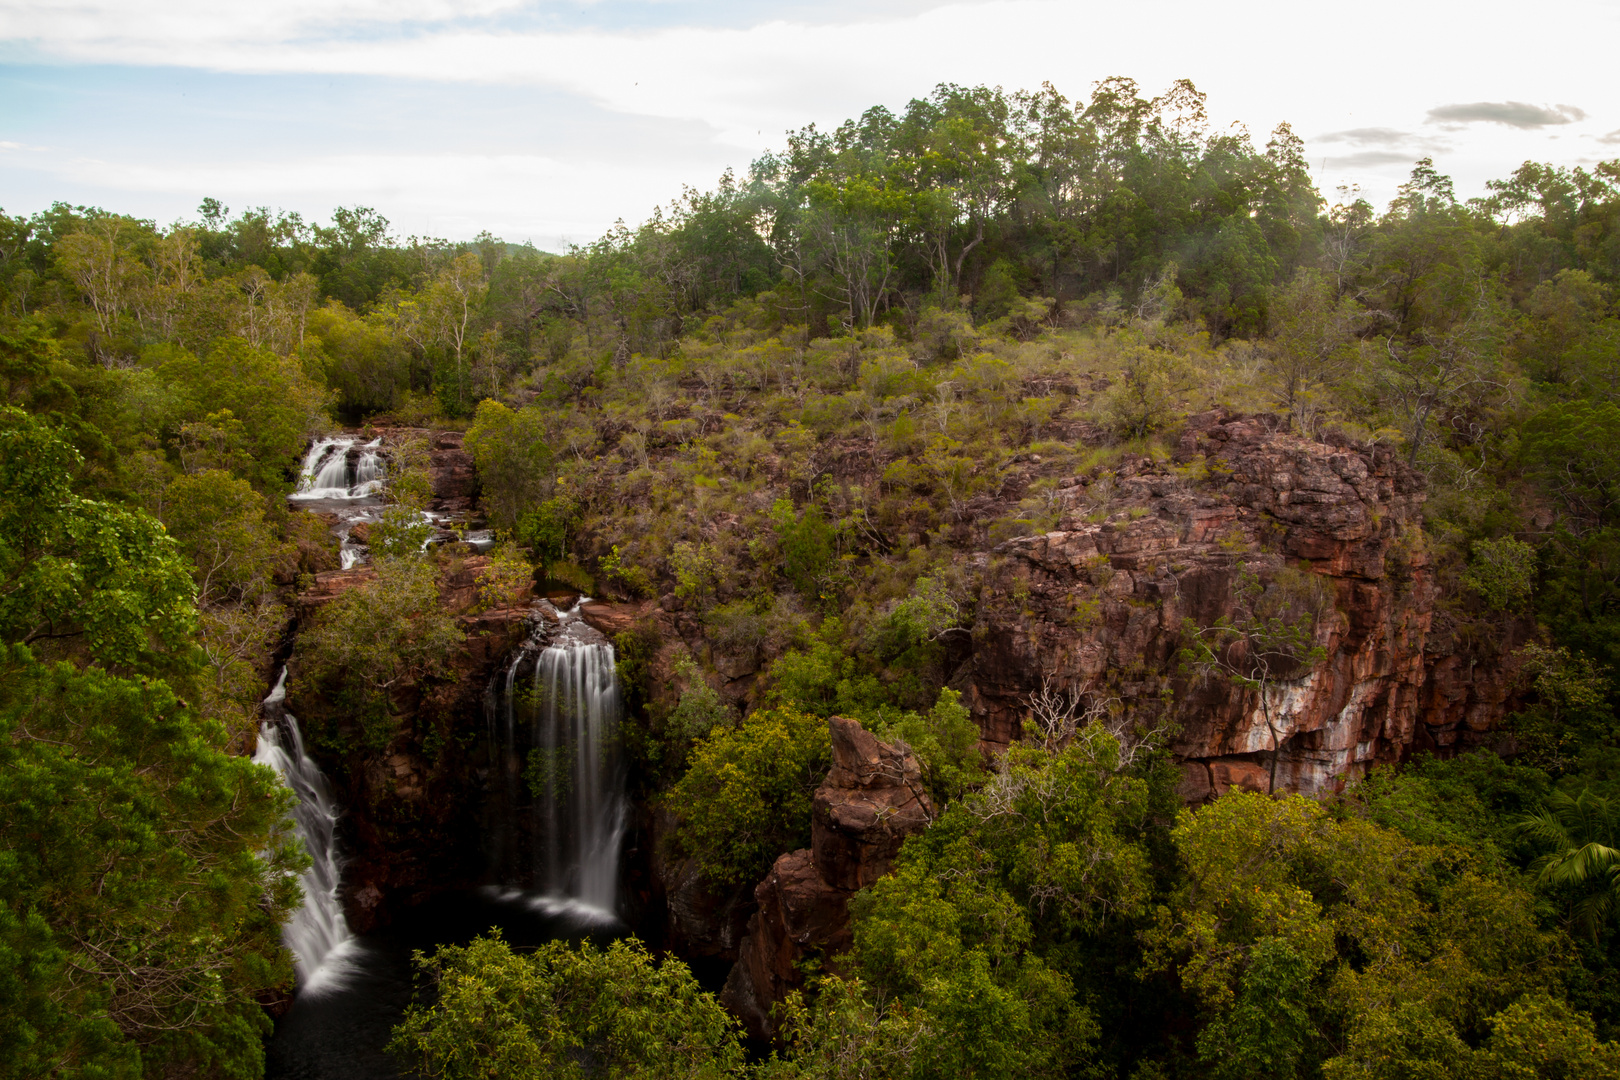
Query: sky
546, 122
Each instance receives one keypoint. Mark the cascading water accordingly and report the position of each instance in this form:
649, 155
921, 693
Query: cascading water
554, 721
318, 935
341, 469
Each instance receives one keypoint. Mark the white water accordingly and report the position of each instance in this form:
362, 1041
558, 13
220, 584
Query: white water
317, 935
329, 472
559, 741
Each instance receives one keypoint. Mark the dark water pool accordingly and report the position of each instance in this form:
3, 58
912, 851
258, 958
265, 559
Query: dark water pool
340, 1032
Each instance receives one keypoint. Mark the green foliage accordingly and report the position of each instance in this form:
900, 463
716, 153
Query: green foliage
143, 875
842, 1033
946, 742
974, 935
400, 532
824, 679
806, 544
84, 578
272, 399
745, 799
218, 521
378, 636
1502, 572
633, 579
565, 1011
773, 399
516, 463
698, 712
1415, 950
1268, 1028
547, 528
503, 582
1579, 834
697, 573
1144, 398
1571, 711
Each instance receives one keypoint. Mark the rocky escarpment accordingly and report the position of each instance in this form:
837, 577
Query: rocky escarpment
411, 806
1099, 607
870, 802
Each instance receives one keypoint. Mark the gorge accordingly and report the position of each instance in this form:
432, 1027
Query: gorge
1152, 624
1095, 609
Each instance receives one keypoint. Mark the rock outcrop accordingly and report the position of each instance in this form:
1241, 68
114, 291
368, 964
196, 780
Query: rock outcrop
411, 808
1098, 607
870, 802
455, 480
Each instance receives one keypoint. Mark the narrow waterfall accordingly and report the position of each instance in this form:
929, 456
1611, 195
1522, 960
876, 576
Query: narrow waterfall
317, 935
341, 469
554, 727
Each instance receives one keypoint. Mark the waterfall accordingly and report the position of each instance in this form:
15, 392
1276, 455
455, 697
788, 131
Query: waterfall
341, 469
317, 935
554, 734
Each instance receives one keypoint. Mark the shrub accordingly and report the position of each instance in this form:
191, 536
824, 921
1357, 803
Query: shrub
566, 1011
746, 798
503, 582
1502, 572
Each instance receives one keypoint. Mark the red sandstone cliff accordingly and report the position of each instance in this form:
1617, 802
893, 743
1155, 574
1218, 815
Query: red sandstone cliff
1098, 607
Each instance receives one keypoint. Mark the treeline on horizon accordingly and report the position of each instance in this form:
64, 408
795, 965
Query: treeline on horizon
804, 408
1023, 206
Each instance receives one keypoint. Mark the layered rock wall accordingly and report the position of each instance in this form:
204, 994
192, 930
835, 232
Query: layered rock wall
1099, 607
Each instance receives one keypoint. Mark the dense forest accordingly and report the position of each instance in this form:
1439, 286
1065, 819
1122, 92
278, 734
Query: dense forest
806, 409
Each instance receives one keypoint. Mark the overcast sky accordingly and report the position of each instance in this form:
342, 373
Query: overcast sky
547, 121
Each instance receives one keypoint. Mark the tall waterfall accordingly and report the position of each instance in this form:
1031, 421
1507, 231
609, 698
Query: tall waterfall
317, 935
341, 469
554, 729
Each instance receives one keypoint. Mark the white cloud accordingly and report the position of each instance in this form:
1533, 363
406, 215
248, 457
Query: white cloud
1517, 114
553, 201
744, 85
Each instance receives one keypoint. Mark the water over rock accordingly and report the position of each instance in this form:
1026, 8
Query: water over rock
318, 935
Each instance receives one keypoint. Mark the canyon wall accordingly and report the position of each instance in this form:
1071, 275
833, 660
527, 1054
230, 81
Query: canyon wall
1101, 607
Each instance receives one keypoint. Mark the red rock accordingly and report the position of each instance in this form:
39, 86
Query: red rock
612, 619
1102, 607
870, 802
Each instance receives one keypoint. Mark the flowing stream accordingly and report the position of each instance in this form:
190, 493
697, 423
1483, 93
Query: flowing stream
317, 935
554, 722
344, 477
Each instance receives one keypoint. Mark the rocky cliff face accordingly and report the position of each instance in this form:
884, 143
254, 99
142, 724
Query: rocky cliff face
870, 802
1098, 607
412, 807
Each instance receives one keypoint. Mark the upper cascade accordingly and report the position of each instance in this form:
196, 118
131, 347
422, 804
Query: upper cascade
343, 468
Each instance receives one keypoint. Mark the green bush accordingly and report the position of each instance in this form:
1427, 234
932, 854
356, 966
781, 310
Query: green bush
746, 798
566, 1011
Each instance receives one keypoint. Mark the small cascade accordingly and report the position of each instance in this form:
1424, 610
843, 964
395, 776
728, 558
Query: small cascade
554, 728
317, 935
341, 469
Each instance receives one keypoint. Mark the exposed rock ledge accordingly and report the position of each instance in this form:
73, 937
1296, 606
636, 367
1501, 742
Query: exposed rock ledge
870, 802
1097, 607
